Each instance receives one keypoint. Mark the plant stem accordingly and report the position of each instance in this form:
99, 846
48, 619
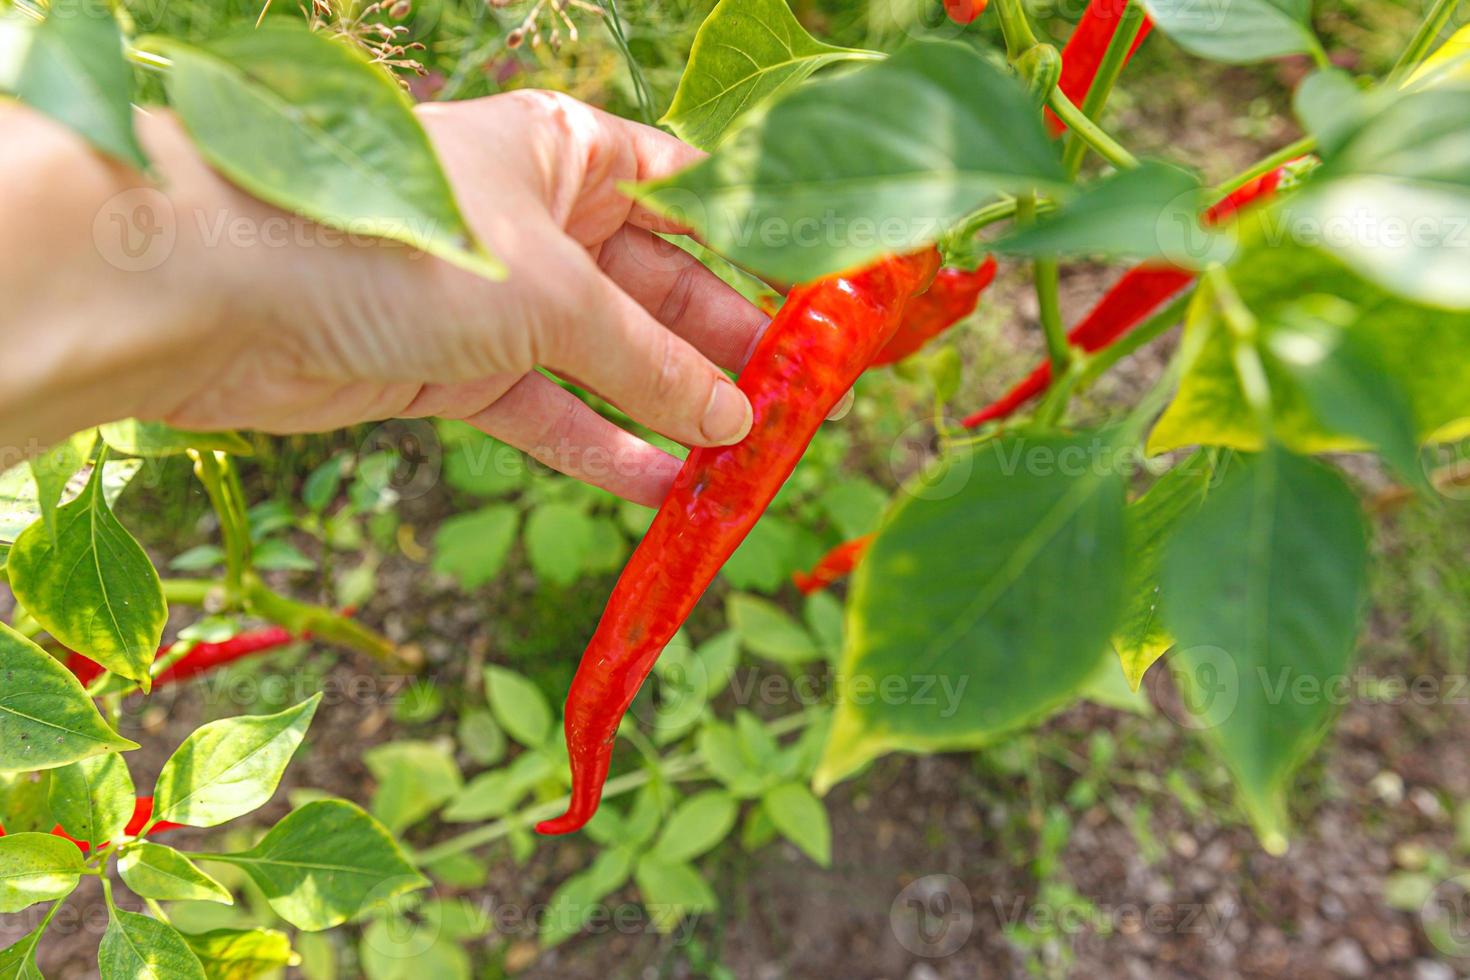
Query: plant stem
1090, 132
1418, 48
1249, 368
323, 624
973, 223
1048, 296
1015, 27
1265, 165
210, 471
687, 766
190, 591
1113, 61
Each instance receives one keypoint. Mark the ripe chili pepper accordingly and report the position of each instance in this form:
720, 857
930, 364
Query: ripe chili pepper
825, 335
202, 657
949, 299
964, 11
1137, 294
835, 564
1083, 53
142, 813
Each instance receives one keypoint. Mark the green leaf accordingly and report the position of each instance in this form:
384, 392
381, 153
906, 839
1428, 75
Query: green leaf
608, 549
414, 780
137, 947
93, 799
1393, 199
241, 954
1277, 280
823, 614
698, 824
200, 558
1148, 212
154, 439
323, 484
18, 961
54, 469
326, 863
986, 601
480, 737
308, 124
581, 895
558, 542
473, 547
1338, 373
766, 629
46, 718
404, 949
24, 806
477, 464
1141, 638
908, 145
275, 555
154, 871
1237, 33
719, 747
747, 53
36, 868
1331, 106
854, 506
671, 890
519, 706
91, 585
1263, 589
75, 72
801, 819
765, 559
229, 767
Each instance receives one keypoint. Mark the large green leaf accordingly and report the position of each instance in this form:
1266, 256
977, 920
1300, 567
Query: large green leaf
1148, 212
1262, 588
37, 868
872, 162
91, 585
1238, 32
747, 52
46, 718
241, 954
308, 124
1275, 279
20, 499
986, 601
326, 863
137, 438
768, 630
1393, 198
519, 706
229, 767
93, 799
414, 779
154, 871
139, 947
1141, 638
75, 72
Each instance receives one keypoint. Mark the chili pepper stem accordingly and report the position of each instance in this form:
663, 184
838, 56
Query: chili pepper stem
1048, 296
1429, 30
1089, 132
1116, 56
1015, 27
1265, 165
320, 622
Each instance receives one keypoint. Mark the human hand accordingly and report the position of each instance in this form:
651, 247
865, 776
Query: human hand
309, 338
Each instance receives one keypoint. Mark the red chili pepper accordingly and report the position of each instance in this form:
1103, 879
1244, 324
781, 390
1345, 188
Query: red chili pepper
202, 657
835, 564
964, 11
142, 812
1083, 53
1141, 291
825, 335
952, 297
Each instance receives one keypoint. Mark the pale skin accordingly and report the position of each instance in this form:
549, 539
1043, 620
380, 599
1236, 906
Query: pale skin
256, 320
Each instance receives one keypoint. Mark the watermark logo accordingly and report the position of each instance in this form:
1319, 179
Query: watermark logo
933, 916
136, 230
1445, 916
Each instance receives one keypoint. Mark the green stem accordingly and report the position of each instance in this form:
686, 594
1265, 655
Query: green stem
1265, 165
1429, 30
1015, 27
1244, 330
688, 766
232, 523
1090, 132
26, 625
321, 623
1108, 71
1054, 405
1058, 348
190, 591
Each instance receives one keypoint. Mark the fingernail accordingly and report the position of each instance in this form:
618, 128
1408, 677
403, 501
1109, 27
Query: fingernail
727, 417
